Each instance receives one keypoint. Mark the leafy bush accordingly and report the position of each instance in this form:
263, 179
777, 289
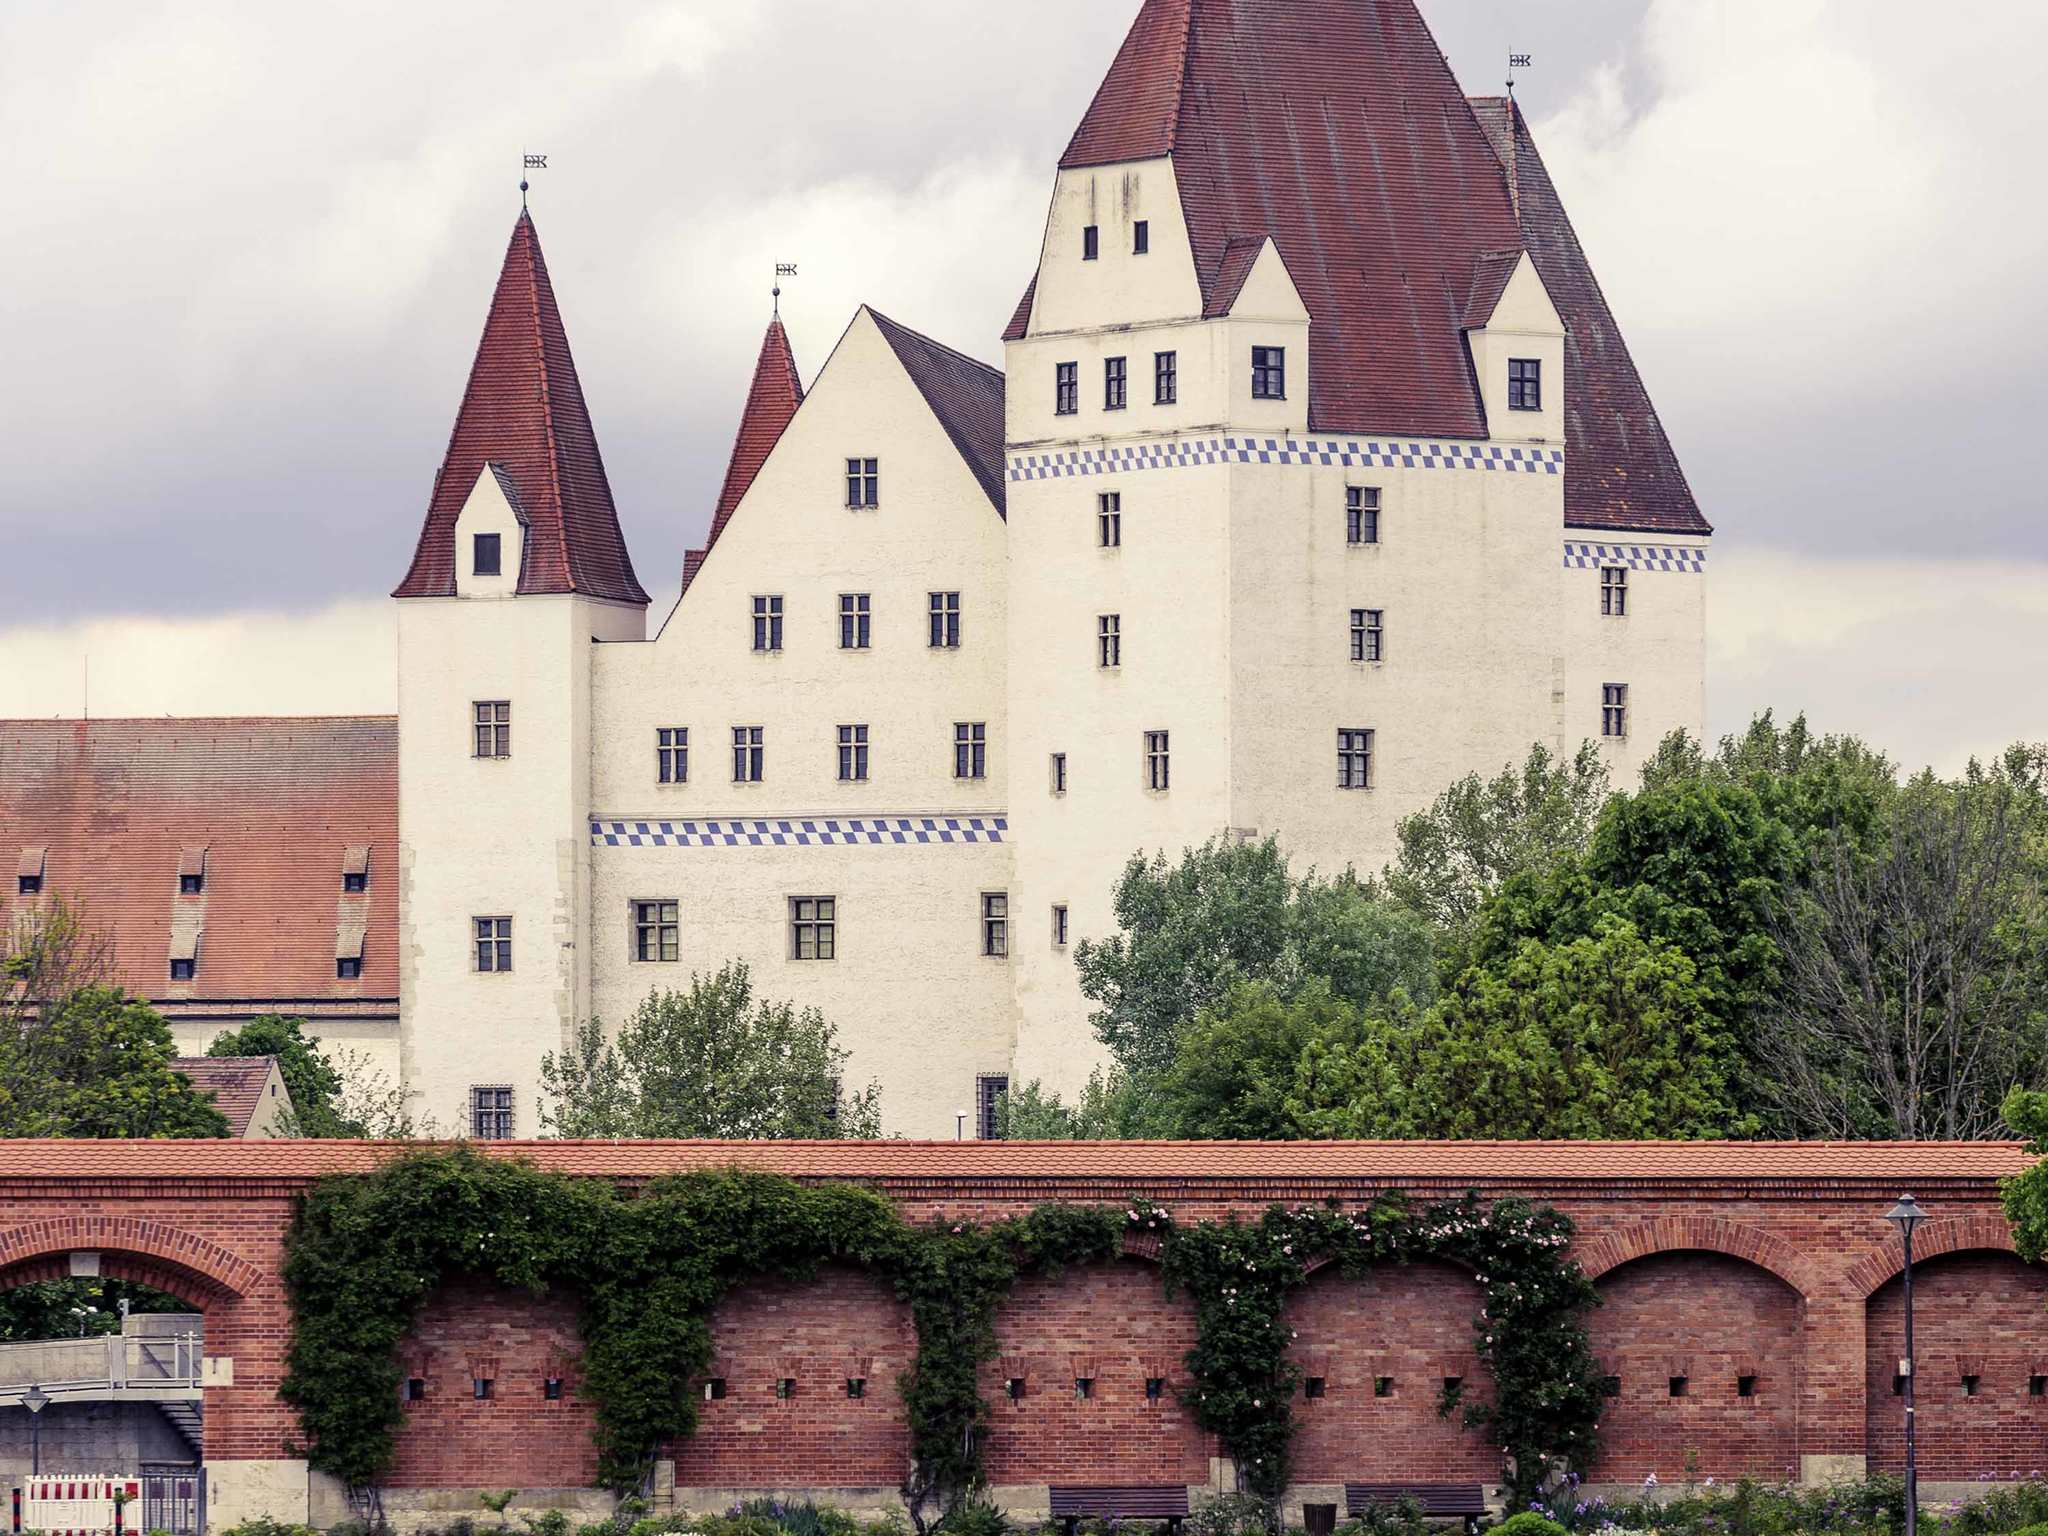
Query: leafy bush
1402, 1518
976, 1517
1233, 1514
801, 1519
263, 1525
1529, 1523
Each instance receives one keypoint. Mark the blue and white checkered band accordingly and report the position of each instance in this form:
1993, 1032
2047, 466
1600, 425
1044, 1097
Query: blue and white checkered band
1687, 558
799, 832
1333, 452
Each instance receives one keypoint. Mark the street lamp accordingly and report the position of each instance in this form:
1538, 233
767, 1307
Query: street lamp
35, 1400
1907, 1215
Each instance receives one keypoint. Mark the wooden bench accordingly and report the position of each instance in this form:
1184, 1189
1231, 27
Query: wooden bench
1439, 1501
1074, 1503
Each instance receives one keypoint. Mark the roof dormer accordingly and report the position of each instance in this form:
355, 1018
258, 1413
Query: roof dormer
1516, 340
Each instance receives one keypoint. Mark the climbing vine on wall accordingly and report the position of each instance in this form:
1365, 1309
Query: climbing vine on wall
367, 1250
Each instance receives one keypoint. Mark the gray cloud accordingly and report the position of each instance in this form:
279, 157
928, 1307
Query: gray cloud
251, 246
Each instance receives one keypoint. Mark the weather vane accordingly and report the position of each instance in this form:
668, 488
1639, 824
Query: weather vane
782, 269
531, 163
1518, 61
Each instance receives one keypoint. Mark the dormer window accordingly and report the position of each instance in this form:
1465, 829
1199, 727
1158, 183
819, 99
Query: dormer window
192, 872
1269, 373
1525, 384
191, 885
183, 970
1141, 238
486, 555
349, 968
1091, 243
355, 870
29, 872
31, 884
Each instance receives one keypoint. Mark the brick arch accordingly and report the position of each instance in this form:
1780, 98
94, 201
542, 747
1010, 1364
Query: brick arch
1931, 1242
151, 1252
1678, 1234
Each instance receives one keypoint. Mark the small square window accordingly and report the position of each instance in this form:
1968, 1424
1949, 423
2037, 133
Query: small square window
672, 754
1315, 1386
748, 754
1679, 1384
1091, 242
863, 484
484, 557
490, 1113
493, 937
415, 1389
191, 885
1610, 1386
1155, 1388
2037, 1386
1269, 373
1084, 1388
1115, 381
813, 927
348, 968
355, 881
1368, 634
714, 1389
1013, 1389
1059, 925
853, 754
493, 720
1059, 773
183, 970
1745, 1386
1454, 1387
785, 1388
551, 1389
30, 885
1066, 389
1158, 761
482, 1388
1165, 378
1141, 238
1525, 384
945, 621
856, 1387
1383, 1386
995, 924
1970, 1385
1361, 514
1354, 759
970, 749
657, 932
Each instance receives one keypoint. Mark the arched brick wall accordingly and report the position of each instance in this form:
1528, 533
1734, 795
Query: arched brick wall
1668, 1234
1410, 1324
1709, 1319
1977, 1311
132, 1248
1930, 1242
1114, 1323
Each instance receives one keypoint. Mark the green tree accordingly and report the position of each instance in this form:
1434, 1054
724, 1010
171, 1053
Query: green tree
1229, 913
710, 1062
77, 1308
96, 1063
1481, 832
1239, 1065
1106, 1110
1602, 1037
313, 1081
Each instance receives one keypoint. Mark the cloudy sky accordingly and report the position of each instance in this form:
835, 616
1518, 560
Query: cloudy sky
249, 247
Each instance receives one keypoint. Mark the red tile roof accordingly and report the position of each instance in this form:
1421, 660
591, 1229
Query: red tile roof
523, 412
1491, 275
1887, 1165
276, 803
1620, 471
772, 402
1337, 127
1020, 322
965, 395
236, 1083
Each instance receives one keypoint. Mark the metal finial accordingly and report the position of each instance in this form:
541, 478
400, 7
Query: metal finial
528, 163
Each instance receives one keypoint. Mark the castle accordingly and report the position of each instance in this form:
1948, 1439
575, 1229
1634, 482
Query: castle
1318, 475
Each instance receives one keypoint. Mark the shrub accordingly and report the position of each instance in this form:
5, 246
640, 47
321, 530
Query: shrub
975, 1517
1403, 1518
263, 1525
1529, 1523
1233, 1514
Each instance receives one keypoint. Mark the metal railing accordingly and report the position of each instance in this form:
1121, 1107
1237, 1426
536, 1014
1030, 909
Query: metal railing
90, 1370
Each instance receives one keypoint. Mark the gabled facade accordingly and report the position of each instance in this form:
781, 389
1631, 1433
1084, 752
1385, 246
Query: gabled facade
1318, 476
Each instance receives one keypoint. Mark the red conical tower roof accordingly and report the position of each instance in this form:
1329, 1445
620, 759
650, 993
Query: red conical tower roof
772, 402
523, 411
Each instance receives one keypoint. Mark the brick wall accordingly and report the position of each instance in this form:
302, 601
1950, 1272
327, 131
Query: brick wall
1715, 1260
1400, 1332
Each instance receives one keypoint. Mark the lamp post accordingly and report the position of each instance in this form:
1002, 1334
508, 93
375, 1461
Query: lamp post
35, 1400
1907, 1215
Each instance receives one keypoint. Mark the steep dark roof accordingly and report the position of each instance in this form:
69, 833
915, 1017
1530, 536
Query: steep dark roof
1620, 471
1336, 127
966, 396
236, 1083
772, 402
1020, 322
523, 412
1491, 275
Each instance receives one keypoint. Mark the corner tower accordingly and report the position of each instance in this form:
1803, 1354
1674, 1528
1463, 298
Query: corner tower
520, 571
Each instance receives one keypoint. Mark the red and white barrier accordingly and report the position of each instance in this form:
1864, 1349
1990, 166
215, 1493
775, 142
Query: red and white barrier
77, 1503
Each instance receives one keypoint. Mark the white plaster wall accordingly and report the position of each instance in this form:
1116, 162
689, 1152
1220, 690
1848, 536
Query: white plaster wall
1658, 649
916, 1003
1119, 287
493, 838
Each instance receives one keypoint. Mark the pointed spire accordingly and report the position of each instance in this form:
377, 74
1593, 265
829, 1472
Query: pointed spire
523, 411
1136, 112
772, 402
